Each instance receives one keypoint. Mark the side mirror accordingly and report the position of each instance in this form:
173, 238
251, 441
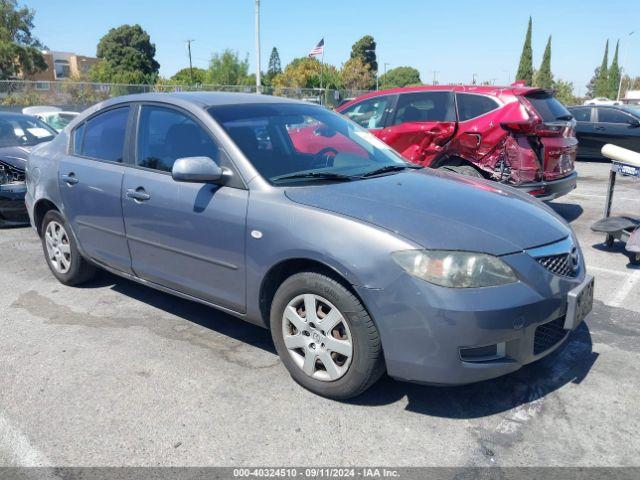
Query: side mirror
634, 123
199, 170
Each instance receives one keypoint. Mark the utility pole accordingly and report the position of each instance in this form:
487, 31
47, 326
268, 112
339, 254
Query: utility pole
435, 77
474, 79
257, 33
385, 71
623, 68
190, 64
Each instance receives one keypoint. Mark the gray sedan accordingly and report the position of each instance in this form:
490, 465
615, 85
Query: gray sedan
291, 217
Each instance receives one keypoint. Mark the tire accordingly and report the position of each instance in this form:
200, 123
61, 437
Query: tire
467, 170
62, 255
329, 374
634, 258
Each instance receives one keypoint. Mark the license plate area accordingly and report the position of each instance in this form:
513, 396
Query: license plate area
579, 303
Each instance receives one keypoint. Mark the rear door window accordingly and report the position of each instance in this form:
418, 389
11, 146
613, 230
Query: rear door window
425, 107
611, 115
548, 107
369, 113
581, 114
104, 135
472, 106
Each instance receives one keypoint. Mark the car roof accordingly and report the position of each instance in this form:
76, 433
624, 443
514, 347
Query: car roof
493, 90
202, 99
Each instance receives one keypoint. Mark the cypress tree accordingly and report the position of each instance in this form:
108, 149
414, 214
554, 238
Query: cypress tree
525, 69
602, 83
614, 75
544, 77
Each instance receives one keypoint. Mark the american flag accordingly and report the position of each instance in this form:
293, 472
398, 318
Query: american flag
318, 49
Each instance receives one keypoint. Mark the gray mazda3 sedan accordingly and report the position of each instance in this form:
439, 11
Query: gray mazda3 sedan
292, 217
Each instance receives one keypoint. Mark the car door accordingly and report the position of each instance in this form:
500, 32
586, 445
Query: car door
186, 236
90, 180
618, 127
420, 125
587, 138
478, 133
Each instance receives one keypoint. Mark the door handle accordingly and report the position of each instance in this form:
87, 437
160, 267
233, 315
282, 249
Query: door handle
138, 194
70, 179
599, 129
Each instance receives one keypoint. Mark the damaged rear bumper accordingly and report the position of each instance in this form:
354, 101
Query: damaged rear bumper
547, 191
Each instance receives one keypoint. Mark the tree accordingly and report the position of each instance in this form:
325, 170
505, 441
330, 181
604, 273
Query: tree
629, 83
274, 68
400, 77
127, 56
544, 77
602, 82
525, 68
365, 50
614, 75
591, 86
564, 92
356, 74
302, 72
19, 49
227, 68
183, 77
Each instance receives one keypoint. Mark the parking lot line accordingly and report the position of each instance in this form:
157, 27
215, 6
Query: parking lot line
608, 270
16, 444
621, 295
595, 195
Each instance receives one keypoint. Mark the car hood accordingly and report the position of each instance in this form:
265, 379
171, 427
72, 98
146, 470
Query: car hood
15, 156
442, 211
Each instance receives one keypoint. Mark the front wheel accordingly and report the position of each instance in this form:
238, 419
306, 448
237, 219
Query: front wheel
62, 254
467, 170
325, 337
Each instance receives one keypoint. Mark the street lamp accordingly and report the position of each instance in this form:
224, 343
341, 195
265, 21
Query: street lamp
385, 70
623, 68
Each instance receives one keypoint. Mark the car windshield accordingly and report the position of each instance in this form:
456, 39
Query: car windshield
59, 120
291, 142
22, 130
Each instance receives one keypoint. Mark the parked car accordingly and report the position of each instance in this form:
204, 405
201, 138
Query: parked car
55, 117
356, 260
18, 134
599, 125
601, 101
516, 135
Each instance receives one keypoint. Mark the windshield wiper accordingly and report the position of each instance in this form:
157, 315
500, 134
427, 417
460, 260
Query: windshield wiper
314, 176
389, 168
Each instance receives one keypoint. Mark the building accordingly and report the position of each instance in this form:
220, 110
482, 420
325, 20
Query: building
61, 65
632, 97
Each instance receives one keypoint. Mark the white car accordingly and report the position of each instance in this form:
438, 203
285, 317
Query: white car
55, 117
601, 101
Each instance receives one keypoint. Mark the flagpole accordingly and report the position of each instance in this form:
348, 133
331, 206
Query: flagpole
321, 70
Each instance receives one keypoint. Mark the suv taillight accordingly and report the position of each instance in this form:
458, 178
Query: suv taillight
536, 128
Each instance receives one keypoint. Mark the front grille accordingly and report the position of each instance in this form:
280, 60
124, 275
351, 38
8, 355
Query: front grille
548, 334
10, 174
563, 265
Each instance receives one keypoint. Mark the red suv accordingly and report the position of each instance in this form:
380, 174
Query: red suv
516, 135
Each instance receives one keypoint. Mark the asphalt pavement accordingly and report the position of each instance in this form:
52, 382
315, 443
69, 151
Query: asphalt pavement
114, 373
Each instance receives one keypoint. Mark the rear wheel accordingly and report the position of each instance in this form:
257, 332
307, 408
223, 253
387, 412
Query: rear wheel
325, 337
467, 170
62, 254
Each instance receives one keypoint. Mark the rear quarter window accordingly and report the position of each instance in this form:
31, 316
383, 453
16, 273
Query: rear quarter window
472, 106
548, 107
581, 114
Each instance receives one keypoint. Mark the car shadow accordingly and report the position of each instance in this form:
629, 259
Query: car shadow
194, 312
569, 364
569, 211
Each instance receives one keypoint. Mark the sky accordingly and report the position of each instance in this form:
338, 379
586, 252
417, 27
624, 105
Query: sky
454, 39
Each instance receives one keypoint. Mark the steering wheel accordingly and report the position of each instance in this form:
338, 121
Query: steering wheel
325, 157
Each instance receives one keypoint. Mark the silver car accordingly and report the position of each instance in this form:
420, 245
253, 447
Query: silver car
289, 216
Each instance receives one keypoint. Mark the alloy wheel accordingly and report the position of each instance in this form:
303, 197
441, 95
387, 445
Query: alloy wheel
317, 337
58, 247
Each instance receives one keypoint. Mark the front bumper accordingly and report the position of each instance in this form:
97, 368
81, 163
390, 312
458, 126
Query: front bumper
547, 191
13, 210
423, 327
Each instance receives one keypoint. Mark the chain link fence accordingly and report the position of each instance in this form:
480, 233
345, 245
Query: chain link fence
76, 96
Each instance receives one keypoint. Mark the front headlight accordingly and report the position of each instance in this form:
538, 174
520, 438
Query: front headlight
455, 269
